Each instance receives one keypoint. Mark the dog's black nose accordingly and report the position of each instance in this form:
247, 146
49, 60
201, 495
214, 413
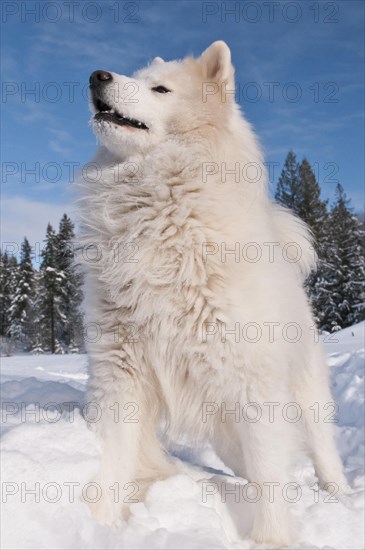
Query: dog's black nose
98, 78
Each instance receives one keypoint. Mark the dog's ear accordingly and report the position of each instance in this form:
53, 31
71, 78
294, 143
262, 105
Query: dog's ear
158, 60
216, 61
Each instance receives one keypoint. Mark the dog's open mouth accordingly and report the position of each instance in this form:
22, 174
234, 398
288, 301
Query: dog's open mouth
108, 114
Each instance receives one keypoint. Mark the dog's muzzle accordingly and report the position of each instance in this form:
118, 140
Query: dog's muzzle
99, 80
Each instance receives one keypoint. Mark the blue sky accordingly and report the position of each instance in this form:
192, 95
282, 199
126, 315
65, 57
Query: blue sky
309, 51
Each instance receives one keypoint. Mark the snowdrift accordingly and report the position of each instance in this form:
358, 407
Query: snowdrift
49, 455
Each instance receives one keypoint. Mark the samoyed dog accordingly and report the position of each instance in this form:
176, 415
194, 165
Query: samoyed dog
196, 287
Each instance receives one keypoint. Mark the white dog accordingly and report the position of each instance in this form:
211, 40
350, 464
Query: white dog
196, 284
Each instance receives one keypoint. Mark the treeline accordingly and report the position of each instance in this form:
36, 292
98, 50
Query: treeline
336, 289
40, 308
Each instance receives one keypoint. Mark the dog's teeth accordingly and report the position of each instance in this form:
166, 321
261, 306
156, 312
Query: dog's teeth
121, 118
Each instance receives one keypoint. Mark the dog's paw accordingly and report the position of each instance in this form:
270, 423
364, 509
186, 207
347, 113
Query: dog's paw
273, 527
271, 537
107, 512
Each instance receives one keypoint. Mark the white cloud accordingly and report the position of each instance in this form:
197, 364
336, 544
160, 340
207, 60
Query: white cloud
60, 142
24, 217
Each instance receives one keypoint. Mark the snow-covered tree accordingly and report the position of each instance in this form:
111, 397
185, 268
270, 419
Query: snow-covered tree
22, 299
37, 336
51, 281
71, 294
343, 292
309, 205
299, 190
314, 211
8, 272
288, 185
41, 309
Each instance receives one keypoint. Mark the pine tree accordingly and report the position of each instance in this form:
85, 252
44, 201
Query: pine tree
37, 337
51, 281
21, 304
320, 291
71, 294
344, 289
288, 185
299, 190
310, 207
42, 308
8, 271
314, 211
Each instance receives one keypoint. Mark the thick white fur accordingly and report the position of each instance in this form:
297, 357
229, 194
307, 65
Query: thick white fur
153, 312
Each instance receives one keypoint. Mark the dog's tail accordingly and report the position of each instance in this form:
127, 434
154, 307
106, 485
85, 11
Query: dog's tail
296, 239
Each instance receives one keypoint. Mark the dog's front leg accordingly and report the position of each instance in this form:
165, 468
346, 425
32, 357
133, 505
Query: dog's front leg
115, 397
267, 452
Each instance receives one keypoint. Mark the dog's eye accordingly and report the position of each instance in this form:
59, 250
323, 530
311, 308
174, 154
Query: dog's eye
161, 89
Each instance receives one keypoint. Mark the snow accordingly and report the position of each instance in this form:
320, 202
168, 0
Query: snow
48, 449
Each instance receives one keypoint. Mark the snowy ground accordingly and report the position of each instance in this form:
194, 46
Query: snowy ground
52, 447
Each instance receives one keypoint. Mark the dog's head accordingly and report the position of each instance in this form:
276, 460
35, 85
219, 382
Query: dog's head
166, 99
